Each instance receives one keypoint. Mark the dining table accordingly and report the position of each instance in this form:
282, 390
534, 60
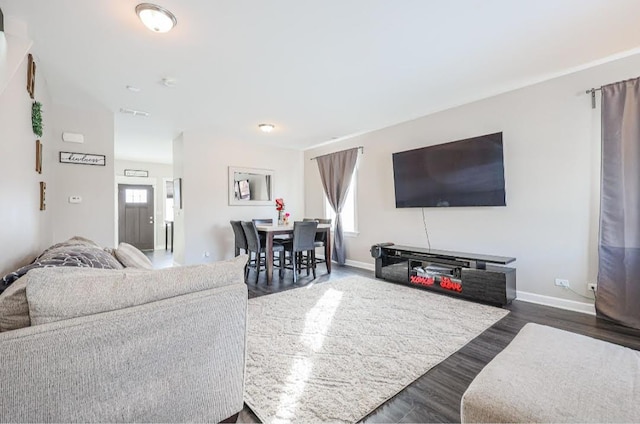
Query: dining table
271, 230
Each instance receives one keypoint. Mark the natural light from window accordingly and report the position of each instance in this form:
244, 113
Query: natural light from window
168, 209
135, 196
316, 327
348, 211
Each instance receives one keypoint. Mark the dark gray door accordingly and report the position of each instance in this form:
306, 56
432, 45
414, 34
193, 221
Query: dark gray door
135, 215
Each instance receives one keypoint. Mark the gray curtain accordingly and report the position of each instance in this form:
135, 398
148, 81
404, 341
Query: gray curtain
336, 170
618, 296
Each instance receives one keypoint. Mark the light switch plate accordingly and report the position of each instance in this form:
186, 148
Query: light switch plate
75, 199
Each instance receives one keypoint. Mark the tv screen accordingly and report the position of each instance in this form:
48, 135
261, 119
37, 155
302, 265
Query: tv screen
461, 173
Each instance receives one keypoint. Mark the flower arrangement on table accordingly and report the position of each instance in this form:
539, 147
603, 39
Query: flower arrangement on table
282, 217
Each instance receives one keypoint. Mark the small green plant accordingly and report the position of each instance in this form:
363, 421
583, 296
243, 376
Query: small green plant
36, 118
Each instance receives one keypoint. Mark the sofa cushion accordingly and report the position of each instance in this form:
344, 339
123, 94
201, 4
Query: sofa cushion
131, 256
547, 375
75, 252
14, 310
57, 294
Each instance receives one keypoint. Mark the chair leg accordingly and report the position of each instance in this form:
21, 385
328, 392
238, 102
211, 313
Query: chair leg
248, 267
294, 260
237, 251
308, 257
281, 262
313, 263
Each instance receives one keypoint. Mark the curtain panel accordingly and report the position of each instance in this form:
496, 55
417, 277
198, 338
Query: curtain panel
336, 170
618, 295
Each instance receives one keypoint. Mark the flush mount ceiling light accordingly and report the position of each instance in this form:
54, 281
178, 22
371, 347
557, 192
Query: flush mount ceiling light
169, 82
266, 127
133, 112
133, 88
156, 18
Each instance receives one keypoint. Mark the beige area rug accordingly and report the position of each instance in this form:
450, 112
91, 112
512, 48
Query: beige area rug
336, 351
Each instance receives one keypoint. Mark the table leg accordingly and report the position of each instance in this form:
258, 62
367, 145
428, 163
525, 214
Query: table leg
166, 236
269, 258
327, 251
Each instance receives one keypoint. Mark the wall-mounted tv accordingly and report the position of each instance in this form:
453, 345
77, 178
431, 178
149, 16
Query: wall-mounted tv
468, 172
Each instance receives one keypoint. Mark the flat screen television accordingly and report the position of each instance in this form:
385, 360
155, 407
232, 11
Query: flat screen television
468, 172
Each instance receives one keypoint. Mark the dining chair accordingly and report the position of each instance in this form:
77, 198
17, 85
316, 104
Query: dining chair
303, 241
321, 237
240, 238
255, 247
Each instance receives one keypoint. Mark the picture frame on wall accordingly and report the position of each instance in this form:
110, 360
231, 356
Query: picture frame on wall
43, 191
244, 189
136, 173
38, 156
31, 76
177, 193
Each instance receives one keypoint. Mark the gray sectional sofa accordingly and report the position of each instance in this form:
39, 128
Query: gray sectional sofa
127, 345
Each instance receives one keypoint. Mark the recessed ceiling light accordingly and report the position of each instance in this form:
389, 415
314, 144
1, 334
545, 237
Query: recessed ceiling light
267, 127
134, 89
169, 82
134, 112
156, 18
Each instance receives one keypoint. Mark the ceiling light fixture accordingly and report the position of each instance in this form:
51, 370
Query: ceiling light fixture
133, 89
267, 127
134, 112
156, 18
169, 82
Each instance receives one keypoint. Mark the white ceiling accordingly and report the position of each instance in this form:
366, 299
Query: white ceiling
317, 70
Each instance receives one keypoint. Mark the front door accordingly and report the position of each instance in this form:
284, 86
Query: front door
135, 215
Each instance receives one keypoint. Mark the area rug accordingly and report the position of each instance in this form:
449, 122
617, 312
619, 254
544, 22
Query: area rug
334, 352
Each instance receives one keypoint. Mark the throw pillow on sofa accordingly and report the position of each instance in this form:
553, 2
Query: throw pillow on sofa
14, 310
131, 257
58, 294
75, 252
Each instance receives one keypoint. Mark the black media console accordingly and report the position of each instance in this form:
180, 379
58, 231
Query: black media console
468, 275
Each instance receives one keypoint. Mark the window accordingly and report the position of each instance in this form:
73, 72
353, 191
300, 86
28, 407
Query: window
348, 210
135, 195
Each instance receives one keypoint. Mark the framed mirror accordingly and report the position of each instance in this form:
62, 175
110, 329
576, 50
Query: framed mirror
250, 186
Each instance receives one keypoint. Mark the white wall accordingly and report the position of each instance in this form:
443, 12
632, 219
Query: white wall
25, 230
93, 218
206, 214
158, 174
552, 163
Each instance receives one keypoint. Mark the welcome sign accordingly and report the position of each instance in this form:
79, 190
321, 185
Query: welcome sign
83, 158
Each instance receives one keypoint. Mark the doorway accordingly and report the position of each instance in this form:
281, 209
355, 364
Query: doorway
136, 215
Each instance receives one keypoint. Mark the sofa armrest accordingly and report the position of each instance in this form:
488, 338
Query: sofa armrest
173, 360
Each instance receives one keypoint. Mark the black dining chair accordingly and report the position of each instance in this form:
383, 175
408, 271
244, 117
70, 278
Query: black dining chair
255, 247
304, 234
321, 237
240, 238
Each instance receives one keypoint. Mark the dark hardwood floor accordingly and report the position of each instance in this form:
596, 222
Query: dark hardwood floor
435, 396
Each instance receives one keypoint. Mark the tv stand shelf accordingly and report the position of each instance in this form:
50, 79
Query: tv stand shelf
482, 278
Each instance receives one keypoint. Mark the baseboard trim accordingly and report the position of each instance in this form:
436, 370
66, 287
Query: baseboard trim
555, 302
361, 265
569, 305
355, 264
